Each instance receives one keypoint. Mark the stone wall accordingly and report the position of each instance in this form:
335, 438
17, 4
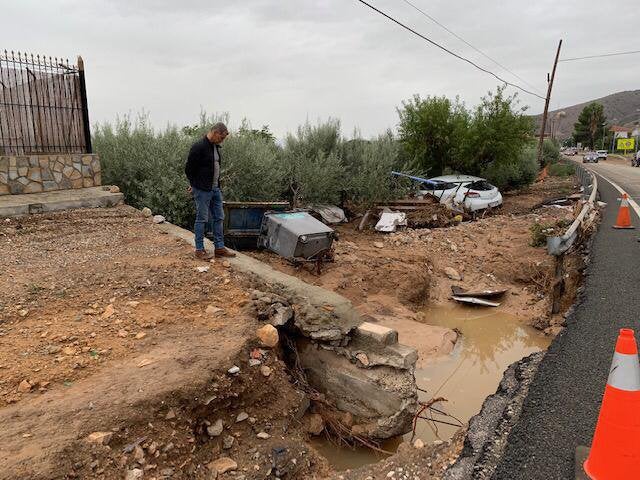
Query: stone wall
46, 173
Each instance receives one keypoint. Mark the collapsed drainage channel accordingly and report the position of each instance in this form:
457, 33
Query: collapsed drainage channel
365, 373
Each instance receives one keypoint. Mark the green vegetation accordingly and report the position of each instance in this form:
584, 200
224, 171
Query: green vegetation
591, 125
316, 164
561, 170
493, 141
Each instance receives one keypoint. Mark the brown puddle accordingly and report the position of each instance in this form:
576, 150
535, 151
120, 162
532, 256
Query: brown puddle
490, 342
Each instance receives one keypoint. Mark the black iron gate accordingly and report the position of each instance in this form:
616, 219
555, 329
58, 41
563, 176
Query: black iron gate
43, 106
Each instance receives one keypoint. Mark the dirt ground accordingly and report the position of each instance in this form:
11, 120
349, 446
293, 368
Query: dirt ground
107, 326
396, 275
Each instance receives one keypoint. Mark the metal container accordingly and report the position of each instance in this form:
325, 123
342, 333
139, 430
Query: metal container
295, 235
243, 220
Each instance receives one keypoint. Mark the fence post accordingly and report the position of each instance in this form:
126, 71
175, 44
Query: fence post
85, 107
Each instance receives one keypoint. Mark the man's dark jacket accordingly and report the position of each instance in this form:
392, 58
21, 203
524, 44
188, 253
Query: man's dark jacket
199, 168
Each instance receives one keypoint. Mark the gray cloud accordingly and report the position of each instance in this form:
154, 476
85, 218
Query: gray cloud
279, 62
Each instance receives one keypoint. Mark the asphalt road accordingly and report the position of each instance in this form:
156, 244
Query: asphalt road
562, 406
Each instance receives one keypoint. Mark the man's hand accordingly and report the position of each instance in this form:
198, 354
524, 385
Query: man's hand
189, 189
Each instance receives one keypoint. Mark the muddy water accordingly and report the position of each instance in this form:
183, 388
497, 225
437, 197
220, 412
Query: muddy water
490, 342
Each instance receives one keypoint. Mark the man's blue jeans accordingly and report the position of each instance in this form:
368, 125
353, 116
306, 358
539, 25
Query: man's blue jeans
209, 208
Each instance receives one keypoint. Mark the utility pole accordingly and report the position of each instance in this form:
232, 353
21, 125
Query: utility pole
546, 104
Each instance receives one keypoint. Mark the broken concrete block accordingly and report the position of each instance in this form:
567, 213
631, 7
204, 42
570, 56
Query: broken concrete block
378, 333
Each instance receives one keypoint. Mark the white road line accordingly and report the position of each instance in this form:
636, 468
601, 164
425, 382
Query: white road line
632, 202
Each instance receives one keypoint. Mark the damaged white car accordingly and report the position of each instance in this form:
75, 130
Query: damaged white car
464, 192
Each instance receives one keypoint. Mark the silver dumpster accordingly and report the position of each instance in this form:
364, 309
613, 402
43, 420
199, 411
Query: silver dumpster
295, 235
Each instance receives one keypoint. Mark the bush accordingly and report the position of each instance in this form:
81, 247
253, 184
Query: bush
369, 164
550, 152
561, 170
518, 173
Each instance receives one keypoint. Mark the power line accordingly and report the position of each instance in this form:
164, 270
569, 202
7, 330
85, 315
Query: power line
600, 56
449, 51
422, 12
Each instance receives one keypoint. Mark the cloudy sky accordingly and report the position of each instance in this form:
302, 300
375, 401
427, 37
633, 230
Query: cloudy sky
280, 62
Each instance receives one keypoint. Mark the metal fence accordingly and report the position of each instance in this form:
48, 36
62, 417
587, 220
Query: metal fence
43, 106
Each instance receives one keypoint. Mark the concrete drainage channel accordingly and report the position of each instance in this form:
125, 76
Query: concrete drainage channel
359, 367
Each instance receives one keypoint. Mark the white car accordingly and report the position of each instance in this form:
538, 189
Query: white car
602, 154
463, 191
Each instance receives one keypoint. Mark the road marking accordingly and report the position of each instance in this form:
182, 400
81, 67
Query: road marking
632, 202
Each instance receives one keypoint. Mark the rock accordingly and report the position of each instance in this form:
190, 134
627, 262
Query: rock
222, 465
242, 416
452, 273
226, 264
146, 212
213, 310
378, 244
109, 311
133, 304
170, 414
23, 313
216, 429
69, 351
140, 335
254, 362
159, 219
363, 359
268, 335
167, 472
227, 442
122, 333
114, 189
100, 438
234, 370
134, 474
418, 444
24, 386
265, 371
53, 349
281, 316
168, 447
138, 454
315, 424
263, 435
204, 269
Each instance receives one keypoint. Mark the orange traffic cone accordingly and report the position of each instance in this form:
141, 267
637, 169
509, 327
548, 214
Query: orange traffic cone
615, 451
624, 215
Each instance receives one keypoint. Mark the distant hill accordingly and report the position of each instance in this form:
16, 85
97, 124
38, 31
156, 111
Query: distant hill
622, 106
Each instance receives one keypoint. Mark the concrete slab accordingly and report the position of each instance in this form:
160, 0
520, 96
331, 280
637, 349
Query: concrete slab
29, 203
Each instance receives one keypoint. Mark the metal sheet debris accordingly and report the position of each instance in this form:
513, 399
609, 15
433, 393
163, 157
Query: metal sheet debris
475, 301
329, 214
461, 292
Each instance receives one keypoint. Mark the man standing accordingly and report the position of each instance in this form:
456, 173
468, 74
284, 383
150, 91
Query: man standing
203, 172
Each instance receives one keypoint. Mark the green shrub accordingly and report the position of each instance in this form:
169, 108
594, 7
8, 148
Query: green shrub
550, 152
513, 174
369, 164
561, 170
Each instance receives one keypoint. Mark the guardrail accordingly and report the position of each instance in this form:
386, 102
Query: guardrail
559, 245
